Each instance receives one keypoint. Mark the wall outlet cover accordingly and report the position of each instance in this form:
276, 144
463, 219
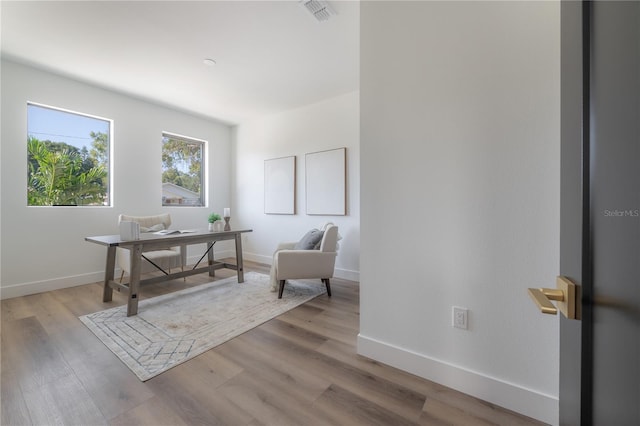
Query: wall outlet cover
460, 318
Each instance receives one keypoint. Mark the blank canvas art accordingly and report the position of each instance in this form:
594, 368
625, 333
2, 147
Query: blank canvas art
280, 186
326, 186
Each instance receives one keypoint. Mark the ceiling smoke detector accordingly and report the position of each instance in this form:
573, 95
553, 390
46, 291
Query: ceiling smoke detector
320, 9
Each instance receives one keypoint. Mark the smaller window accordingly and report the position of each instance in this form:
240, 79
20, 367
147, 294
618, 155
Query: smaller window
182, 171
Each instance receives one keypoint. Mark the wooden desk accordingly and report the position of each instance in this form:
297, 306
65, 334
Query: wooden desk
150, 241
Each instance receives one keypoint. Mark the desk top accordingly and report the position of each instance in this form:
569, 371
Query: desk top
149, 238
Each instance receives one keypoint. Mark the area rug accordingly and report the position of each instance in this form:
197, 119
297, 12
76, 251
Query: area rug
175, 327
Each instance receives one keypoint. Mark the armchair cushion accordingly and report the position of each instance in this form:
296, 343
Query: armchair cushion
310, 239
298, 264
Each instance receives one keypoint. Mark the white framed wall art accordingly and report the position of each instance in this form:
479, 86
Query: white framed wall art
326, 182
280, 185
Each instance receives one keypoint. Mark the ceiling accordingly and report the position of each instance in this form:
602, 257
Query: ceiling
270, 55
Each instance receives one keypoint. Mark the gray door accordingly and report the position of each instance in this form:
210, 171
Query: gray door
600, 212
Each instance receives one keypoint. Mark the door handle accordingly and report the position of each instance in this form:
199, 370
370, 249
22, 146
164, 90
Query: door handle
564, 294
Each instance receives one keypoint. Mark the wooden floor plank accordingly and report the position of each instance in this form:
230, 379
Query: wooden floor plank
387, 394
437, 412
191, 391
14, 407
318, 324
17, 308
268, 404
300, 336
30, 354
63, 401
347, 408
153, 411
114, 389
348, 354
303, 385
480, 409
213, 362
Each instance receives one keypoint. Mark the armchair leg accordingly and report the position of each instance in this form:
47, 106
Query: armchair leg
121, 276
281, 289
328, 285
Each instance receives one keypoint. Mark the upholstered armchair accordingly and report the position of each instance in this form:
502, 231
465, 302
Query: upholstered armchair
170, 257
290, 263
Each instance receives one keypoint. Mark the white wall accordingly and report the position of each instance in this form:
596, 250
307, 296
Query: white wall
330, 124
460, 154
43, 248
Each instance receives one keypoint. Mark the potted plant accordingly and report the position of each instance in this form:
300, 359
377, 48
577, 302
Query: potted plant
213, 218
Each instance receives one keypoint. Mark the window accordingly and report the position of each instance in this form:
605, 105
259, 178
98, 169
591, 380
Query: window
68, 158
182, 171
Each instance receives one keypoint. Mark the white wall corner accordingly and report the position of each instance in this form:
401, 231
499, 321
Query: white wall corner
528, 402
325, 125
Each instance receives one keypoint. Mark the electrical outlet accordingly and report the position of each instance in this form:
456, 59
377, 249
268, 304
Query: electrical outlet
460, 318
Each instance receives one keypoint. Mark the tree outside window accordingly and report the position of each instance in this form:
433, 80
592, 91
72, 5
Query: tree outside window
182, 171
67, 158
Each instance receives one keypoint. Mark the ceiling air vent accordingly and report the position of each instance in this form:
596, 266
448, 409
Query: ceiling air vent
320, 9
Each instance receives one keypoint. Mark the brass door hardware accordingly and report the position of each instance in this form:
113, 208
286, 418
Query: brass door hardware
564, 294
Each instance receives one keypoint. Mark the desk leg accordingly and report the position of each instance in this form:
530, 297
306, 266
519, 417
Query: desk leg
134, 280
212, 271
107, 291
239, 264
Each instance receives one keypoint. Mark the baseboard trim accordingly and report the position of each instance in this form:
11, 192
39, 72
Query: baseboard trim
530, 403
346, 274
26, 289
259, 258
343, 274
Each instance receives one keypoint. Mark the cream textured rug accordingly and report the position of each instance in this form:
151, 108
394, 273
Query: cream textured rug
175, 327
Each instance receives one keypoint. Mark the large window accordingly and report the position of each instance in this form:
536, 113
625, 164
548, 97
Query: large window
67, 157
182, 171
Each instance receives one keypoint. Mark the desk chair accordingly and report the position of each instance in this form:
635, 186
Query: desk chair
165, 259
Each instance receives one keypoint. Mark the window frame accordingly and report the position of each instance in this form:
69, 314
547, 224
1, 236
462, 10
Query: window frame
110, 153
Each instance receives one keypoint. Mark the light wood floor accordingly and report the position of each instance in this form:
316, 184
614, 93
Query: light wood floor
298, 369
